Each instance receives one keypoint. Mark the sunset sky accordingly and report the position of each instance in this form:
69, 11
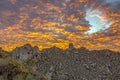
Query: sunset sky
94, 24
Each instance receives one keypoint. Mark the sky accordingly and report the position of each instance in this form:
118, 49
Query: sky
97, 21
93, 24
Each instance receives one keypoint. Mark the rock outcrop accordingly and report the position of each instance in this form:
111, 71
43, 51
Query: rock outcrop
70, 64
25, 52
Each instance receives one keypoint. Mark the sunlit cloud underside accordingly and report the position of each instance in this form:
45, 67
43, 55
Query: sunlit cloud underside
93, 24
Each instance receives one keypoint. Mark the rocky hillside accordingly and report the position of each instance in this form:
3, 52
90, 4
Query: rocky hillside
69, 64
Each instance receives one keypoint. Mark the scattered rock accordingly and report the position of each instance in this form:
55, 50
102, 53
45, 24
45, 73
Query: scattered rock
70, 64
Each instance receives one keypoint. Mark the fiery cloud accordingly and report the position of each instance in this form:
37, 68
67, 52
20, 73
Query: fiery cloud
47, 23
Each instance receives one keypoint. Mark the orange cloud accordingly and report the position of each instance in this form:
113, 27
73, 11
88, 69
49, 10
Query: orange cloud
46, 23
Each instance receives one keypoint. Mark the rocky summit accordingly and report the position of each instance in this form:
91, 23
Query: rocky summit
57, 64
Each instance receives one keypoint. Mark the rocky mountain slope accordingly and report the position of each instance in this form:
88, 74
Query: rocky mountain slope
69, 64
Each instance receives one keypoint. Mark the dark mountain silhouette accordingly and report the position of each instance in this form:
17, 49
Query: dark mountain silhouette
70, 64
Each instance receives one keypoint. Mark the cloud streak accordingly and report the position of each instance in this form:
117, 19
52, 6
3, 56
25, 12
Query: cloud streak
47, 23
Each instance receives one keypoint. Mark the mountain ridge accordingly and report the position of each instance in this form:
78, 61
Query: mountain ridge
70, 46
70, 64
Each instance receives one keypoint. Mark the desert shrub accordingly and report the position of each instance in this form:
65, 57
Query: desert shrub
19, 77
30, 77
